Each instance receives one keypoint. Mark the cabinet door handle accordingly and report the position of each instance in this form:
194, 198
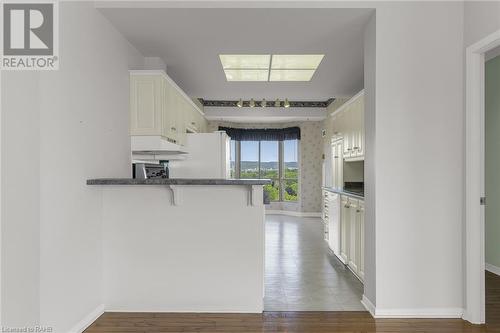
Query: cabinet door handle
356, 148
335, 157
173, 129
358, 211
193, 123
347, 206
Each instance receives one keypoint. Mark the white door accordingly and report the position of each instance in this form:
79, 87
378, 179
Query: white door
361, 126
169, 115
345, 217
334, 223
353, 237
337, 164
146, 98
361, 238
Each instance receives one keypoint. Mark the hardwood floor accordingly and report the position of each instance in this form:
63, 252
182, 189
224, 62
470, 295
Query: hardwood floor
300, 322
303, 322
492, 299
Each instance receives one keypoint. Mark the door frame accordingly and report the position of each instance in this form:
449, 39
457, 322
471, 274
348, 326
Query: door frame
474, 309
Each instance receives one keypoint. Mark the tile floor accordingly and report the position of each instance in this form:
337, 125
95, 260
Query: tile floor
300, 274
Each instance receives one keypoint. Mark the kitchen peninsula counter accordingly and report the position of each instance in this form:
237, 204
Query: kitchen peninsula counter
184, 245
176, 181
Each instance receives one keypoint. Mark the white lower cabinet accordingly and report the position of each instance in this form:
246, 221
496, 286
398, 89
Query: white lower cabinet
352, 230
334, 223
344, 224
345, 218
361, 222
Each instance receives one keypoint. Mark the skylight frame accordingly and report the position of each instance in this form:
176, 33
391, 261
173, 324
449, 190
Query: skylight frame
277, 67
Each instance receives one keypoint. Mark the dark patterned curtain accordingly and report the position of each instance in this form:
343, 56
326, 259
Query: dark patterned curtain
262, 134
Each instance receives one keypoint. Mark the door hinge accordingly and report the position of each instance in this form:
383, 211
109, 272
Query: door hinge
482, 201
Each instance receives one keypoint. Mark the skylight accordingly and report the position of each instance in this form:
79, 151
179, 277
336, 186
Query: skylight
266, 67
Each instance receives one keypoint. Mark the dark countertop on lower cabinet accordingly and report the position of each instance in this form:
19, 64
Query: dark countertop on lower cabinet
176, 181
354, 193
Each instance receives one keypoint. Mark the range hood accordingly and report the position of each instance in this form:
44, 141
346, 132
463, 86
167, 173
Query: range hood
155, 147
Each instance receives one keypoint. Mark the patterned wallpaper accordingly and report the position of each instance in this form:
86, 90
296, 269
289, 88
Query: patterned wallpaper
310, 160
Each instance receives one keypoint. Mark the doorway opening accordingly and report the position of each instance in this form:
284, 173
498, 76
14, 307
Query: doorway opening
492, 185
479, 139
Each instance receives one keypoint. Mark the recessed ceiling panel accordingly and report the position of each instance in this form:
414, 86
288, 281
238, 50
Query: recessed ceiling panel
296, 61
246, 74
291, 74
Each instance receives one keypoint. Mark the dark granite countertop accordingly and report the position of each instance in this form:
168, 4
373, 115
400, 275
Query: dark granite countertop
176, 181
355, 192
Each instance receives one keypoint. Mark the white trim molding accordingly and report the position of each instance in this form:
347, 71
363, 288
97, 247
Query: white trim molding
419, 313
474, 179
368, 305
349, 102
292, 213
83, 324
411, 313
493, 269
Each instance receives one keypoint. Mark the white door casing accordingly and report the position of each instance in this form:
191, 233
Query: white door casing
474, 308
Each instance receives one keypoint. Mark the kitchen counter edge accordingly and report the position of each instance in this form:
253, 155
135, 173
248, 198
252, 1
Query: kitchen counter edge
342, 192
176, 181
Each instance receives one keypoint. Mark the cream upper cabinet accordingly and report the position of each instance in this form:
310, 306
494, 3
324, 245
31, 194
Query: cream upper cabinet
146, 105
348, 123
158, 107
170, 120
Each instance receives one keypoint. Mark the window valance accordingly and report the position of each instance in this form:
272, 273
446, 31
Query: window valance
262, 134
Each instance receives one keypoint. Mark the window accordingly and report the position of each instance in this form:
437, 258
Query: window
291, 170
232, 158
275, 160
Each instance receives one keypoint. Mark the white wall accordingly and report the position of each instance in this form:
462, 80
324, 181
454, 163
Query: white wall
70, 126
20, 273
419, 158
370, 287
481, 19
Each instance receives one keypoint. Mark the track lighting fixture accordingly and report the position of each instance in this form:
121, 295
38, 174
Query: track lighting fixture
263, 103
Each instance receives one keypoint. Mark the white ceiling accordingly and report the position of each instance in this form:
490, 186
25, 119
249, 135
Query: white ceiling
190, 40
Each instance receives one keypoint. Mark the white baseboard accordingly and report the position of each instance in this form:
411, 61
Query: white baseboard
368, 305
411, 313
419, 313
88, 320
492, 268
159, 310
292, 213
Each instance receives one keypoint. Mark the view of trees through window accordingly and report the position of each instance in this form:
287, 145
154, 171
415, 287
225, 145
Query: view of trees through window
275, 160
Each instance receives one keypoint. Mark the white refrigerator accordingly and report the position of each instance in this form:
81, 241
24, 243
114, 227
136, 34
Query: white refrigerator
207, 157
